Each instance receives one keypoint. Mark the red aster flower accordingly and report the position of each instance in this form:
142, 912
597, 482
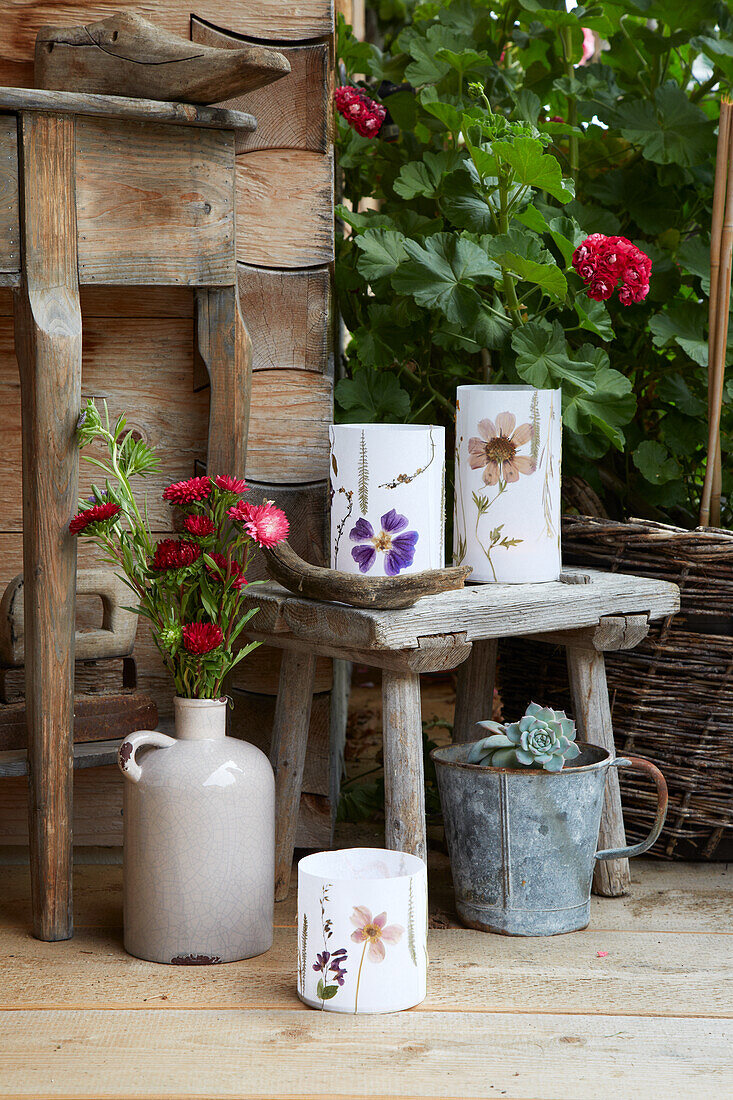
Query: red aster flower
231, 484
200, 526
201, 638
227, 571
175, 554
264, 523
362, 113
186, 492
98, 513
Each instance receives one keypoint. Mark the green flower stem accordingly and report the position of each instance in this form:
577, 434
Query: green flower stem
509, 286
358, 978
567, 50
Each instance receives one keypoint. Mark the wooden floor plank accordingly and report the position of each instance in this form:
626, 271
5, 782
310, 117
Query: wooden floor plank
272, 1054
642, 974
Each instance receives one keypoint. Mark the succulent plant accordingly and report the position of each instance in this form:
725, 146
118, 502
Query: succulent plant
543, 738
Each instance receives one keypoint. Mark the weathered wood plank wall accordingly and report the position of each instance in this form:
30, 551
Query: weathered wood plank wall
139, 344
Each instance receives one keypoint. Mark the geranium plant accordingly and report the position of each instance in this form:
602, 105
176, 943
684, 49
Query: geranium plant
189, 588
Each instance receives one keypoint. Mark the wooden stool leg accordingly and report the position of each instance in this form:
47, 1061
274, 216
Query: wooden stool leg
287, 756
587, 671
475, 690
404, 789
48, 348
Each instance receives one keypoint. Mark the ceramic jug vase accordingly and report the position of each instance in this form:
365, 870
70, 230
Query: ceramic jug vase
199, 841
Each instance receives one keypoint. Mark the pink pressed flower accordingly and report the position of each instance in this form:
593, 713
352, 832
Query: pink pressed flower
374, 931
264, 523
495, 448
231, 484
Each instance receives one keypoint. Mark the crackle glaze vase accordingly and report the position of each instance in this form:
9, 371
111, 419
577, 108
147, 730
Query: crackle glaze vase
199, 841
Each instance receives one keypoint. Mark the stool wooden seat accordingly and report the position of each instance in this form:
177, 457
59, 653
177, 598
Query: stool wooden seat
587, 611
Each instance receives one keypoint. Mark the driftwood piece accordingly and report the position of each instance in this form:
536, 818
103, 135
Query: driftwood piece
319, 583
126, 55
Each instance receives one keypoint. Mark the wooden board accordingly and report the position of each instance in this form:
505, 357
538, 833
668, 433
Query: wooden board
288, 441
9, 226
133, 301
97, 808
262, 19
259, 672
280, 1053
154, 204
252, 719
294, 115
285, 208
287, 315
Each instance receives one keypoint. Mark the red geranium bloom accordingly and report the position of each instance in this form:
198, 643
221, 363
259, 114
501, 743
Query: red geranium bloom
175, 554
264, 523
200, 638
362, 113
227, 571
186, 492
98, 513
601, 261
200, 526
231, 484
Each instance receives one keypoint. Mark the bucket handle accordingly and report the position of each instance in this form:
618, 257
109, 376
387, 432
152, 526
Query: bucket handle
639, 763
126, 761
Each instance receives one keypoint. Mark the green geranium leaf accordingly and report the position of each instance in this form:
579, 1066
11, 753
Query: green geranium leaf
372, 395
674, 389
694, 256
655, 463
593, 317
450, 116
671, 130
611, 405
547, 276
533, 167
370, 219
544, 358
440, 274
684, 324
463, 205
383, 250
533, 218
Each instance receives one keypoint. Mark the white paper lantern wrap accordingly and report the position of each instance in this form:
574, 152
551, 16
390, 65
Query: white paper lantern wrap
507, 483
387, 498
362, 930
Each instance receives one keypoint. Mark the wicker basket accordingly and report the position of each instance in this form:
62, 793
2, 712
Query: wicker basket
672, 696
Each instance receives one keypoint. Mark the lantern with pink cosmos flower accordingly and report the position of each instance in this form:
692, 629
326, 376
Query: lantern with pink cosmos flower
362, 930
507, 483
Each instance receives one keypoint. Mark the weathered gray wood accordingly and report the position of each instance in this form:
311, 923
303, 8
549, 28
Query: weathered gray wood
404, 789
614, 632
114, 106
287, 755
96, 718
296, 114
9, 228
319, 583
481, 611
90, 754
48, 347
287, 315
114, 638
475, 690
125, 54
226, 350
589, 690
438, 653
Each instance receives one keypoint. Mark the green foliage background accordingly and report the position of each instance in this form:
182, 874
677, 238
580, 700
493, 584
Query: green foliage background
501, 154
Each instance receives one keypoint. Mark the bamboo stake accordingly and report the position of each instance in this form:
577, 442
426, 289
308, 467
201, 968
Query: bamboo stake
721, 250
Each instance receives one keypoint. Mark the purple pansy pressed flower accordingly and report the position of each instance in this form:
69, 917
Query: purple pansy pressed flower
398, 548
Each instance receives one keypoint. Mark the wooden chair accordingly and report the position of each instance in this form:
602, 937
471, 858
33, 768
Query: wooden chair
588, 613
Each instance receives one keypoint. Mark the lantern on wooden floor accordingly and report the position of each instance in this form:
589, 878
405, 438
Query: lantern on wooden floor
387, 498
362, 930
507, 483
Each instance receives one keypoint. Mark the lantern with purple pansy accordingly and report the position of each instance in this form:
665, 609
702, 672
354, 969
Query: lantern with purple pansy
397, 544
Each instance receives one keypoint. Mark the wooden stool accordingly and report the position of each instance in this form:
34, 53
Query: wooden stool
588, 612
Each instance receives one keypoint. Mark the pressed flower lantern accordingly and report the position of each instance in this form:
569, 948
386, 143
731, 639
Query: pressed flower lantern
507, 483
387, 498
362, 930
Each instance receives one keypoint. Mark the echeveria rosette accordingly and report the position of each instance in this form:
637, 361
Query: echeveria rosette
543, 738
393, 541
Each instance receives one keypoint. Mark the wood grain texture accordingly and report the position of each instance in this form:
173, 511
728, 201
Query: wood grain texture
475, 690
252, 719
285, 208
287, 314
289, 418
287, 756
154, 204
133, 301
293, 114
404, 791
97, 808
478, 611
126, 55
226, 349
259, 673
589, 690
96, 718
48, 342
9, 226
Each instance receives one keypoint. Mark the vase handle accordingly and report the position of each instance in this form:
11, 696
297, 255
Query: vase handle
126, 761
639, 763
